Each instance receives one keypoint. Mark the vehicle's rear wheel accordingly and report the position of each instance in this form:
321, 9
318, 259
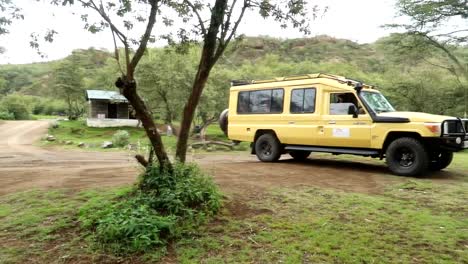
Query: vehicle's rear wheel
299, 154
407, 157
268, 148
440, 160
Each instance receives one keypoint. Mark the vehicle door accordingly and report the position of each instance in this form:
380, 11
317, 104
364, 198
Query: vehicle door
340, 127
303, 120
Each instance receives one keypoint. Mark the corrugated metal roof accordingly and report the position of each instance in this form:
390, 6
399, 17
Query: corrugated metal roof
105, 95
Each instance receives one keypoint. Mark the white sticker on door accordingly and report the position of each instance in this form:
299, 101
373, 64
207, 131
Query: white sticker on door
341, 132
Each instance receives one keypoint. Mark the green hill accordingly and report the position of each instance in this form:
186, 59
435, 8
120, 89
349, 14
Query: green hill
409, 81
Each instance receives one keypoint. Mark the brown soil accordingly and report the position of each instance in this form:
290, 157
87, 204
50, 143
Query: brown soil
24, 166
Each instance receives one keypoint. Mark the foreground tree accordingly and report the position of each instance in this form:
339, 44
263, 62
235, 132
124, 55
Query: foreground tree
439, 25
217, 31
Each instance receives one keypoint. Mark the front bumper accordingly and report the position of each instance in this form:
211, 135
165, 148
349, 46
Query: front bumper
454, 134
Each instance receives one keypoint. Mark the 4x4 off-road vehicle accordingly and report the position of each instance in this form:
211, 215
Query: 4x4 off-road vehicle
328, 113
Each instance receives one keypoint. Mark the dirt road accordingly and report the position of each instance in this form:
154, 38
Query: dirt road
24, 166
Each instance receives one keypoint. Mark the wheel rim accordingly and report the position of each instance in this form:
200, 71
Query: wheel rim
405, 157
265, 148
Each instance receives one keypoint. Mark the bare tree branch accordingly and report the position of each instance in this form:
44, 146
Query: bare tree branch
144, 39
197, 13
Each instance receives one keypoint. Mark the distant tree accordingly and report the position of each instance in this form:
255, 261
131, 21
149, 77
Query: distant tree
68, 86
165, 79
439, 24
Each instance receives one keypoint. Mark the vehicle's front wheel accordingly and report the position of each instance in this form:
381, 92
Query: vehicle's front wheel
299, 154
268, 148
407, 157
441, 160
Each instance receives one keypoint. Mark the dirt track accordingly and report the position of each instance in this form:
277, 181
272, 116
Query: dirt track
24, 166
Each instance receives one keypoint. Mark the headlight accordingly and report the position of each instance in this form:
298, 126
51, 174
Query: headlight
433, 127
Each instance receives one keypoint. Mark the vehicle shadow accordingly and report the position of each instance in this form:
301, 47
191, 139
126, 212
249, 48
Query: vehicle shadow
370, 166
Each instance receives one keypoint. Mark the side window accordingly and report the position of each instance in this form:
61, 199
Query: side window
260, 102
303, 100
340, 103
277, 101
243, 102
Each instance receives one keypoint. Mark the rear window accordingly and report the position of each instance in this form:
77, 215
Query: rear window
260, 102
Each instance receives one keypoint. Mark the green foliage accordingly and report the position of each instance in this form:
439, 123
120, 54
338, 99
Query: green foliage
16, 106
186, 191
133, 227
4, 115
121, 138
167, 206
404, 72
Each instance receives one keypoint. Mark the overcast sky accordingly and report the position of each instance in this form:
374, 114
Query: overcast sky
357, 20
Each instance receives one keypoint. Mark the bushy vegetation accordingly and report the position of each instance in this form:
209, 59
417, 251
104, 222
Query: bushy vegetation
410, 80
18, 106
121, 138
168, 205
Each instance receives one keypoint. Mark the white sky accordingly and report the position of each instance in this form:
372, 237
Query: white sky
357, 20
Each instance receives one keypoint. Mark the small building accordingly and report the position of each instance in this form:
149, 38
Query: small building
108, 109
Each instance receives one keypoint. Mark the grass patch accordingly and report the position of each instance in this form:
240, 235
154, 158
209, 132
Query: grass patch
77, 132
311, 225
41, 225
39, 117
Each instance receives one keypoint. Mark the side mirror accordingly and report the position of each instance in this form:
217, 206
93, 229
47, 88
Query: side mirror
352, 110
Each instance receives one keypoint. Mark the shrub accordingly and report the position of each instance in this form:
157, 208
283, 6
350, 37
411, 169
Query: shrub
121, 138
4, 115
17, 105
134, 227
167, 205
186, 192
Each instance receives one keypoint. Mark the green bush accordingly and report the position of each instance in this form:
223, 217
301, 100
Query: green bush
186, 192
17, 105
167, 205
121, 138
4, 115
134, 227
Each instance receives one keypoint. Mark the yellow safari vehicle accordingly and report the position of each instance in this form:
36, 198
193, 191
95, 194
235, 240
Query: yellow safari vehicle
328, 113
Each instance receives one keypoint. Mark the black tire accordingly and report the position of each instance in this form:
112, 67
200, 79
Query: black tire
268, 148
440, 160
299, 154
223, 121
407, 157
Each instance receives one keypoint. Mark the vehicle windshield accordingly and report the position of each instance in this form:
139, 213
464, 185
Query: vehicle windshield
377, 102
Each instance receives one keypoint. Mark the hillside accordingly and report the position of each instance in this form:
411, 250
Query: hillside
34, 79
408, 80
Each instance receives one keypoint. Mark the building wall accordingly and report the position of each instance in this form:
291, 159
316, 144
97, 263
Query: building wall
101, 107
97, 122
98, 107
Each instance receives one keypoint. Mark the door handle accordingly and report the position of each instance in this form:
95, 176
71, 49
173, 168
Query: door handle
291, 122
332, 122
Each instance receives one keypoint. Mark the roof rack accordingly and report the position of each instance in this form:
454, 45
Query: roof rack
338, 78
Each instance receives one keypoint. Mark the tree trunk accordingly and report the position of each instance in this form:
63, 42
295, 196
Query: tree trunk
168, 117
144, 115
205, 126
207, 61
189, 112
